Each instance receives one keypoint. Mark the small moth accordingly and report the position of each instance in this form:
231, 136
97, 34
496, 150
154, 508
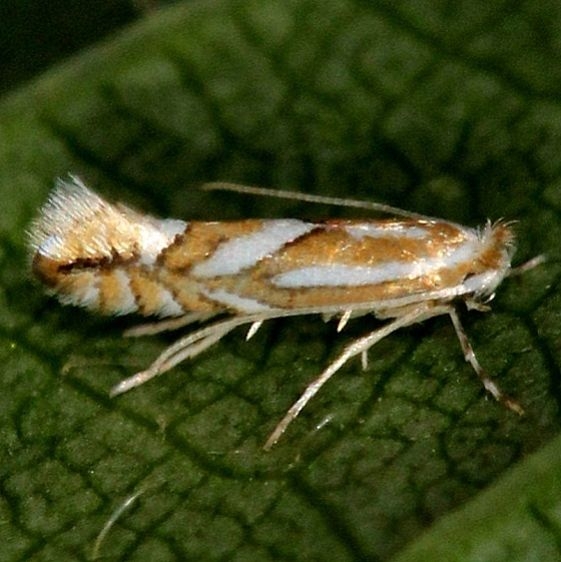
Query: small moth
112, 259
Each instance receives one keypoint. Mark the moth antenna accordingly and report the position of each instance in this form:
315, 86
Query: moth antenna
527, 265
309, 198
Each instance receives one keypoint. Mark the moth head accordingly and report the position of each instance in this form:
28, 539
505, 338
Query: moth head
493, 262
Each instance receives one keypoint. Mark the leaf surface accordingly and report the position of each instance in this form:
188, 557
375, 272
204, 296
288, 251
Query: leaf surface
453, 113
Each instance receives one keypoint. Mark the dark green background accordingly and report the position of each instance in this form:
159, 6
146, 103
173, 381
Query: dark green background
451, 109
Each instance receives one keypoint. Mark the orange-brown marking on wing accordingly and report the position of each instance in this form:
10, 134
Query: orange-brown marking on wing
201, 240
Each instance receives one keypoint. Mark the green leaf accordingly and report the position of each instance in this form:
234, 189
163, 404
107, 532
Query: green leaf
453, 113
516, 519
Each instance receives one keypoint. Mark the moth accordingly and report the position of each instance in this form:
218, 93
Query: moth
112, 259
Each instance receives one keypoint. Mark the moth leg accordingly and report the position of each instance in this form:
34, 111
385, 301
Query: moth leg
253, 329
364, 360
490, 386
357, 347
344, 319
189, 346
152, 328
